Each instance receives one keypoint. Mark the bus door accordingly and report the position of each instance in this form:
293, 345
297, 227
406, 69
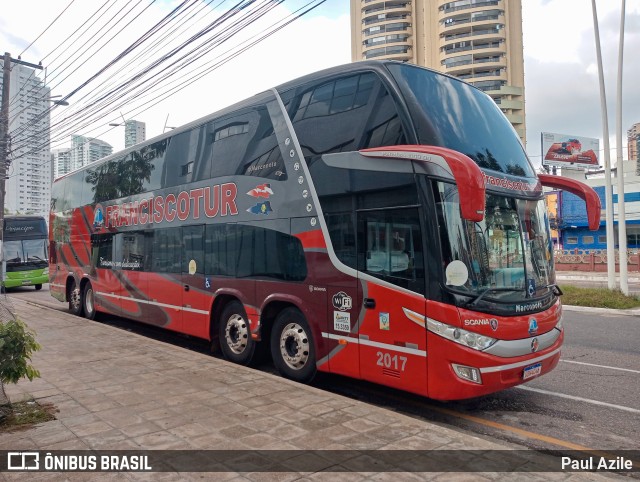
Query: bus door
196, 299
392, 334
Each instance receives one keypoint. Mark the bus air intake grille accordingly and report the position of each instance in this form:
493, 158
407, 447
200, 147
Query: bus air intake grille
390, 373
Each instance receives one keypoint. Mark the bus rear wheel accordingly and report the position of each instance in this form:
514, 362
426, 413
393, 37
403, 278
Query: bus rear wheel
88, 302
38, 287
235, 334
75, 299
292, 346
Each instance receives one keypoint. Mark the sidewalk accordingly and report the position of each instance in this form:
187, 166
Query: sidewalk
116, 390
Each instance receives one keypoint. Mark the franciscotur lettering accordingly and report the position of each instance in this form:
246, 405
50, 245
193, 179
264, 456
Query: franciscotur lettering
209, 201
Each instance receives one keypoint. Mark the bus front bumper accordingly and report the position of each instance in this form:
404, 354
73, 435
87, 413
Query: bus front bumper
11, 281
485, 373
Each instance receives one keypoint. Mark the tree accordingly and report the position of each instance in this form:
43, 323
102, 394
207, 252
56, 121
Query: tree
17, 343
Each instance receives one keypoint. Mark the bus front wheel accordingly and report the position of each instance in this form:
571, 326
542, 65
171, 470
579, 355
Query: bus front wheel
235, 334
75, 299
292, 346
88, 302
38, 287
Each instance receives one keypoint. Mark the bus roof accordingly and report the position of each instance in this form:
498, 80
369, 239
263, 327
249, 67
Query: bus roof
371, 65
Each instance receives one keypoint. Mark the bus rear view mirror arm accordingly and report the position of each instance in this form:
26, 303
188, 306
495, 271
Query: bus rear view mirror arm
581, 190
464, 170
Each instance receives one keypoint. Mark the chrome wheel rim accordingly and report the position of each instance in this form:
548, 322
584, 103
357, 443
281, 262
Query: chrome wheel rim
236, 333
294, 346
75, 298
88, 301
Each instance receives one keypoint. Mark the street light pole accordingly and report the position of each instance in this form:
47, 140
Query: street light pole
4, 141
611, 257
622, 226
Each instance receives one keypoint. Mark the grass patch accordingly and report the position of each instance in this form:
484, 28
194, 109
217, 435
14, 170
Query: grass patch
23, 415
598, 298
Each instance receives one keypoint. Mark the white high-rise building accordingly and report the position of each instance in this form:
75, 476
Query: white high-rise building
61, 160
134, 132
28, 184
85, 150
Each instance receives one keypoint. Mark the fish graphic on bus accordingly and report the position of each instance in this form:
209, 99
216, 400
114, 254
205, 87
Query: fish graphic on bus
263, 208
263, 190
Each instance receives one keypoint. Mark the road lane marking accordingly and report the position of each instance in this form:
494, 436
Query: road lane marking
580, 399
601, 366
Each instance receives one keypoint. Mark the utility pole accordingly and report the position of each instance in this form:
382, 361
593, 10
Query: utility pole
4, 141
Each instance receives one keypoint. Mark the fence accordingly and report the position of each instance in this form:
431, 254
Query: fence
592, 260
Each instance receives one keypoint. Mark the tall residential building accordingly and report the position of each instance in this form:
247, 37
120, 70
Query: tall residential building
479, 41
632, 141
85, 150
28, 184
134, 133
61, 161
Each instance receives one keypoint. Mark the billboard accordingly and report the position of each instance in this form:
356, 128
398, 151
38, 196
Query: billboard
569, 151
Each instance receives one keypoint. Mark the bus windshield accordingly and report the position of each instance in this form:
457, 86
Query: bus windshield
22, 251
508, 254
450, 113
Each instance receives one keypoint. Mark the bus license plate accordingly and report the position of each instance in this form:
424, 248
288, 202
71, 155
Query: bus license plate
26, 282
532, 371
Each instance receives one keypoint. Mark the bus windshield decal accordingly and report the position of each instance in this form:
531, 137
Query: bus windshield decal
509, 184
212, 201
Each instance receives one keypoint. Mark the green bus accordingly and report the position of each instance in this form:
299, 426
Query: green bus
24, 252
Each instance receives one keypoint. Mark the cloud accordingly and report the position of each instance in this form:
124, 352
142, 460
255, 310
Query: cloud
562, 91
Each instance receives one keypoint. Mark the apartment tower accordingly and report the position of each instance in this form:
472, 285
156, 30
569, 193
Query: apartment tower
28, 183
134, 133
479, 41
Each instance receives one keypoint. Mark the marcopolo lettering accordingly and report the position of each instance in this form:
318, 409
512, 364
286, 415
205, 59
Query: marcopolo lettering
209, 201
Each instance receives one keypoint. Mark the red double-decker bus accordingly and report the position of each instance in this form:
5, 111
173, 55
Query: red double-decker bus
376, 220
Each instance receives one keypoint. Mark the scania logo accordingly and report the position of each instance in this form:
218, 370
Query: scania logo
342, 301
535, 344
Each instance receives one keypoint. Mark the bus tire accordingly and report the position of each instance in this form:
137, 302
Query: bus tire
292, 347
235, 334
75, 299
38, 287
88, 302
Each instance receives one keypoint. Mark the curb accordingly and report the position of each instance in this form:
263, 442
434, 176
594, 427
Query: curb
609, 311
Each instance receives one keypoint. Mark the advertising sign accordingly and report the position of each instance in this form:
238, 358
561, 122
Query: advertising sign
569, 151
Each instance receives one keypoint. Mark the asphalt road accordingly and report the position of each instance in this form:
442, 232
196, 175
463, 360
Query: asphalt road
591, 400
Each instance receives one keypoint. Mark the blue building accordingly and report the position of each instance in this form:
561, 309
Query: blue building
572, 215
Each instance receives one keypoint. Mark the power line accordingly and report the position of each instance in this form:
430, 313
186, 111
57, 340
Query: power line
201, 49
54, 21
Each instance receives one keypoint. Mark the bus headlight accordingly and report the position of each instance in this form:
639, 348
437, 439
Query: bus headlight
45, 272
470, 374
460, 336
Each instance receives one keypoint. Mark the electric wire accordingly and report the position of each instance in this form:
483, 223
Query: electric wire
233, 54
54, 21
234, 11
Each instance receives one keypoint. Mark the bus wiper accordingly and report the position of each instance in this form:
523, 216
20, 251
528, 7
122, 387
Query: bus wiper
555, 289
475, 301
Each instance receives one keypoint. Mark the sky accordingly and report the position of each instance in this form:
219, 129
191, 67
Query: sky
561, 77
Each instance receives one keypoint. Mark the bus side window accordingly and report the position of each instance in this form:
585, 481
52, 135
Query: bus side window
102, 251
360, 104
167, 251
244, 143
391, 247
192, 236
